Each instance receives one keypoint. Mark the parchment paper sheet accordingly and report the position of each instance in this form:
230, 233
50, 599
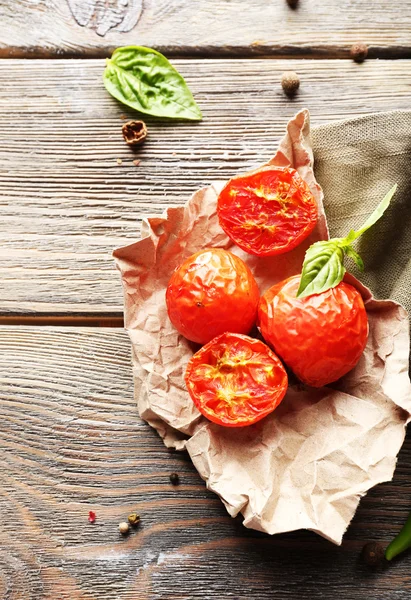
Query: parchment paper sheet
308, 464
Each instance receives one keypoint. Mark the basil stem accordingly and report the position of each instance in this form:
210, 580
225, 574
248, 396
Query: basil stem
401, 542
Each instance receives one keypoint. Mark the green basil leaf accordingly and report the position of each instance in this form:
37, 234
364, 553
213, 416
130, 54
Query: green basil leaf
349, 250
323, 267
144, 79
374, 217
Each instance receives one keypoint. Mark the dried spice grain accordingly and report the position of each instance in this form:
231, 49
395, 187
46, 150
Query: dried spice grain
290, 82
373, 554
134, 132
359, 52
134, 519
174, 478
124, 528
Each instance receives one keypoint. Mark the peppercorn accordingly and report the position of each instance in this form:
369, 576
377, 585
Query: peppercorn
134, 519
292, 3
372, 554
124, 528
174, 478
290, 83
134, 132
359, 52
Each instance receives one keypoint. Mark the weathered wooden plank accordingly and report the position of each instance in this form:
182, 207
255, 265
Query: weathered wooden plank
206, 27
71, 441
65, 200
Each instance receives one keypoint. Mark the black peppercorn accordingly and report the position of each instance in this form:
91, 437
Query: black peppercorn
292, 3
373, 554
174, 478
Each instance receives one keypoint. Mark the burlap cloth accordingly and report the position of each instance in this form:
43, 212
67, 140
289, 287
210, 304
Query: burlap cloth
307, 464
357, 161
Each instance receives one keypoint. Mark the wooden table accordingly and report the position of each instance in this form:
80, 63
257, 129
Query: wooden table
71, 440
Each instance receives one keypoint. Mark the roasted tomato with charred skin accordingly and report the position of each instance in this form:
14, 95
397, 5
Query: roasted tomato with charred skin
213, 291
236, 380
268, 211
320, 337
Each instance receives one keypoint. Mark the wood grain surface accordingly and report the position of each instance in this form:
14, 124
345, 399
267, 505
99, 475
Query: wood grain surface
71, 193
92, 28
71, 441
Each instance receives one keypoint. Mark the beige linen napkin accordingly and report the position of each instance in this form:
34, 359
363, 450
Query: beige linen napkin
308, 464
356, 161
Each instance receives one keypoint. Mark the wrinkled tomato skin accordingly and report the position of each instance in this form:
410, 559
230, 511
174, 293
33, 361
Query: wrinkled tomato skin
268, 211
320, 337
236, 380
213, 291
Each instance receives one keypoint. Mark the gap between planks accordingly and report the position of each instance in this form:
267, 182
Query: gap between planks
205, 28
257, 51
98, 320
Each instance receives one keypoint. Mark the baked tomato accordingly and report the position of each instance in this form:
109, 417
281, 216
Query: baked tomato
235, 380
320, 337
213, 291
268, 211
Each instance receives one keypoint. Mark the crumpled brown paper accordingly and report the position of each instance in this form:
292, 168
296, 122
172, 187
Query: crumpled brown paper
307, 464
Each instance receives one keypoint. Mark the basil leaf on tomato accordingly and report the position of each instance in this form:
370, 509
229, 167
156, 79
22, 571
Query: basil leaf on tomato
144, 79
323, 266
